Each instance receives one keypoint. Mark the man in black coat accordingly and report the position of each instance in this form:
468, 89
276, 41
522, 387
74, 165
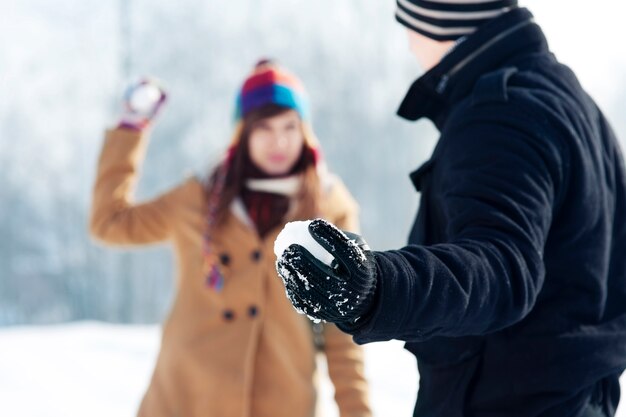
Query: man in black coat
512, 290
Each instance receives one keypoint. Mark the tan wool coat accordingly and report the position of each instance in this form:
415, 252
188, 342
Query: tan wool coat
241, 351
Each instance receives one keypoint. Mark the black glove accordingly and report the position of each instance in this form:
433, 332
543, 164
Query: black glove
340, 293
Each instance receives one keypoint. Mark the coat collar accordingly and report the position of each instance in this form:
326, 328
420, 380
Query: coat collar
492, 46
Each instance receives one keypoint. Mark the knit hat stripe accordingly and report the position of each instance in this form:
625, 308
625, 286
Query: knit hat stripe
270, 78
449, 19
456, 2
464, 6
424, 12
270, 84
275, 94
432, 31
446, 23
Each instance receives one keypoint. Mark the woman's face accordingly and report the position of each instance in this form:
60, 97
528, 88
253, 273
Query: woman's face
276, 142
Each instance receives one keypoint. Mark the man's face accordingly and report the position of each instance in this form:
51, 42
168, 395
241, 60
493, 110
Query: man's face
427, 51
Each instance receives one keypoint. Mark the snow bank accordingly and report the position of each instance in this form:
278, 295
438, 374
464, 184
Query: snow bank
101, 370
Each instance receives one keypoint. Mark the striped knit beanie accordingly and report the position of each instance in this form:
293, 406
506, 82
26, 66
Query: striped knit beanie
271, 84
445, 20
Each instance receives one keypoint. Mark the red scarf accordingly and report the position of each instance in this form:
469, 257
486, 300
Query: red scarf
266, 209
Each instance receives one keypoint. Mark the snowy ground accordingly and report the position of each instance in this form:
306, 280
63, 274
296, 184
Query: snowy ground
101, 370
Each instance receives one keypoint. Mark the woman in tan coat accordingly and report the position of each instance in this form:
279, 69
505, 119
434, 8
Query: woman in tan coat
232, 344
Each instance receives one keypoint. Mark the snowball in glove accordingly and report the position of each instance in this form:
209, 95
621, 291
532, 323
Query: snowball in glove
340, 292
142, 102
298, 232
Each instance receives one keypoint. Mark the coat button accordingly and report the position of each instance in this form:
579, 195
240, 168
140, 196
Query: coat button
256, 255
228, 315
253, 311
225, 259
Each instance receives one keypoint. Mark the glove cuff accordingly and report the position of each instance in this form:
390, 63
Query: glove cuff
353, 326
137, 124
368, 299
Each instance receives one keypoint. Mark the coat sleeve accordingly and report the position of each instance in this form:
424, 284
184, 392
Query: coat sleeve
346, 371
114, 217
496, 186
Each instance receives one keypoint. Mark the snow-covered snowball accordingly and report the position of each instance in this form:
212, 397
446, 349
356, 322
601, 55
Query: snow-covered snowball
144, 98
298, 232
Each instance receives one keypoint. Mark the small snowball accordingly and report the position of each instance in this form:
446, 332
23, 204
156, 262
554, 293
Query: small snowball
298, 232
144, 98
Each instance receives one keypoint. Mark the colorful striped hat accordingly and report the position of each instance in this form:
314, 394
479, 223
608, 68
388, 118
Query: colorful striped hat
271, 84
445, 20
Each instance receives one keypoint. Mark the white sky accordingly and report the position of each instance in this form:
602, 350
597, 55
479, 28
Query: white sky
587, 36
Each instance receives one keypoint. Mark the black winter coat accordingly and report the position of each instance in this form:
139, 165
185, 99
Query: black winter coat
512, 291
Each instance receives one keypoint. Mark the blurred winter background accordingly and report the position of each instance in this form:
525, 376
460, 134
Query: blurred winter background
63, 67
